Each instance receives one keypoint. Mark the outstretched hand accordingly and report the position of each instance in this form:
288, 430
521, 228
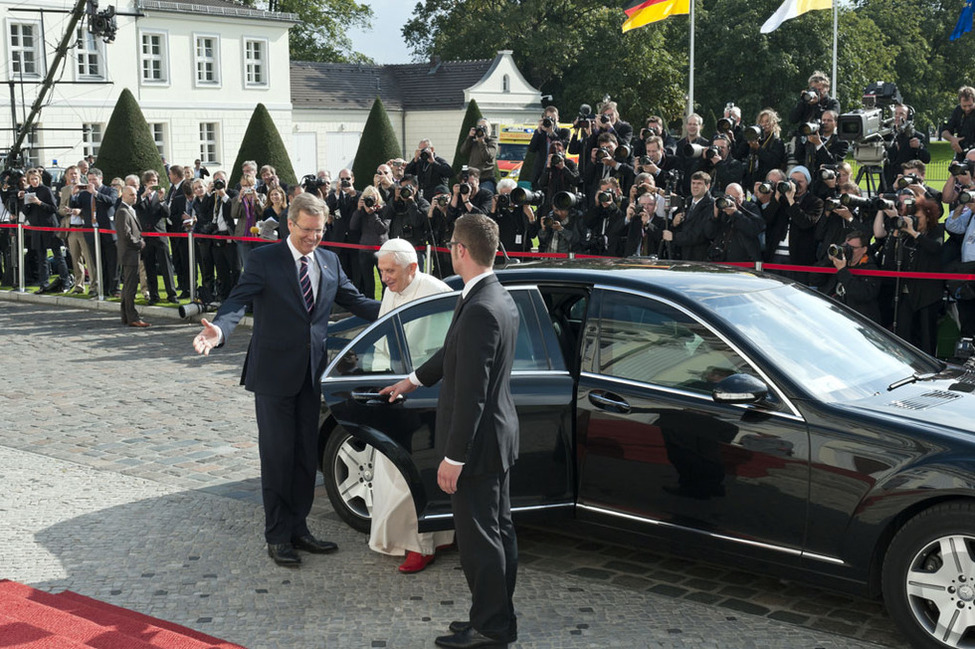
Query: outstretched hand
206, 339
404, 386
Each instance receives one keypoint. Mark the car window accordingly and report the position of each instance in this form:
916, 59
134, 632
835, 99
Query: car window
647, 341
377, 352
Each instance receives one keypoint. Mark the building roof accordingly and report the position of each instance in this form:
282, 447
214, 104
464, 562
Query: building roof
411, 86
217, 8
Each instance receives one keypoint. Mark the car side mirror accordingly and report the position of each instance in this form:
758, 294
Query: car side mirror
739, 388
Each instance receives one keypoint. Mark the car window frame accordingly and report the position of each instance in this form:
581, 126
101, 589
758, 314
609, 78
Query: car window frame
788, 410
400, 335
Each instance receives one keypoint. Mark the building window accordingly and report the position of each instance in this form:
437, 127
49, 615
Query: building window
158, 131
154, 58
89, 56
209, 144
255, 63
207, 61
91, 139
505, 83
25, 57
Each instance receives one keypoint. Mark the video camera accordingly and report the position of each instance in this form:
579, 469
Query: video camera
868, 127
309, 182
585, 117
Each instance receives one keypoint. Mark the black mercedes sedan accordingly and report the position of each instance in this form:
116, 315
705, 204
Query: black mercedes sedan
719, 411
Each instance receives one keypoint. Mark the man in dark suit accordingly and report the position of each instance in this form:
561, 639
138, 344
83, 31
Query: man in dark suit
153, 216
691, 228
130, 244
291, 286
176, 200
477, 433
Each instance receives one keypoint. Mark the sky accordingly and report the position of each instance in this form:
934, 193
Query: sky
384, 42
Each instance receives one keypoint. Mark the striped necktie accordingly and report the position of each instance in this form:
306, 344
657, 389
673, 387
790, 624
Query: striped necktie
305, 282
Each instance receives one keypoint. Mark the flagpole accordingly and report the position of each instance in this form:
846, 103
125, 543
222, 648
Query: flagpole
690, 92
834, 83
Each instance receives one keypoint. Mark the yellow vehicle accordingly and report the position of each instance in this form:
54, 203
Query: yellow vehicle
513, 140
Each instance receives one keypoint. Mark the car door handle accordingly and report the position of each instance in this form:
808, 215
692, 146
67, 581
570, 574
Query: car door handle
367, 397
600, 400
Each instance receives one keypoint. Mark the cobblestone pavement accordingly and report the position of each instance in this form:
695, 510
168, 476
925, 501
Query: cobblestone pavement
130, 474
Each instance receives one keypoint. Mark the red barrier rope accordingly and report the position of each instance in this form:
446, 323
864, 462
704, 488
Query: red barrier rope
530, 255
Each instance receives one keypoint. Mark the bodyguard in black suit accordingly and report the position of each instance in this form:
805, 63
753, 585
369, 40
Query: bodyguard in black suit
291, 286
477, 433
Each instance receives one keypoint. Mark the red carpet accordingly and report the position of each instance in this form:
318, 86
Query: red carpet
34, 619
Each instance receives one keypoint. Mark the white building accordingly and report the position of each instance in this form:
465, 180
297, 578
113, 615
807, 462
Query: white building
424, 100
197, 69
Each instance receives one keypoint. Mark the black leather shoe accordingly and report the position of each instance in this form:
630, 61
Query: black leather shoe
460, 626
283, 554
309, 543
469, 639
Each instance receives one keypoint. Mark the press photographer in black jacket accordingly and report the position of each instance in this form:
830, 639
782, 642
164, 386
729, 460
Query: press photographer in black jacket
517, 225
605, 224
429, 169
734, 228
546, 134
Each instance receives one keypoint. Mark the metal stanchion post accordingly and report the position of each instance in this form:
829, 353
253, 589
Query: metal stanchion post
20, 258
98, 261
191, 246
428, 264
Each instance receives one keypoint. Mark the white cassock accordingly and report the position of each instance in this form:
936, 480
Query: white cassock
394, 525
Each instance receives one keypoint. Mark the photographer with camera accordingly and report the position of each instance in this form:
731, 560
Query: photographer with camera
906, 143
442, 228
216, 217
343, 201
859, 292
608, 121
690, 149
959, 130
245, 209
766, 150
384, 181
150, 209
481, 150
561, 230
841, 216
803, 210
910, 239
599, 127
398, 168
546, 135
656, 161
657, 128
810, 106
429, 169
603, 164
517, 225
406, 214
268, 181
824, 146
559, 175
368, 219
691, 226
721, 165
645, 221
605, 225
735, 228
467, 197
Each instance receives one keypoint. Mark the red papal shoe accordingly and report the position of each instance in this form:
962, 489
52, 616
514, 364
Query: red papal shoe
415, 562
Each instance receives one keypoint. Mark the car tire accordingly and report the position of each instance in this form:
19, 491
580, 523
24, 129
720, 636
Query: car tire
929, 577
348, 465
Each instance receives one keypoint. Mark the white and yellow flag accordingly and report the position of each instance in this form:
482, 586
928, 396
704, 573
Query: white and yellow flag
791, 9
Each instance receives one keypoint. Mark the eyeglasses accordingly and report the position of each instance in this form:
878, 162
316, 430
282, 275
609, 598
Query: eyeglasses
450, 244
317, 233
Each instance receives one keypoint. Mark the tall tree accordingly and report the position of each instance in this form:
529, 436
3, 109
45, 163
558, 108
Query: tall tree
262, 143
321, 31
470, 120
377, 145
127, 145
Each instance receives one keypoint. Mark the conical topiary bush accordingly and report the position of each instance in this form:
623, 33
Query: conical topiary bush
262, 143
470, 121
377, 145
127, 146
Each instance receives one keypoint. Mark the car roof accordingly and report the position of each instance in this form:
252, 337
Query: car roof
681, 281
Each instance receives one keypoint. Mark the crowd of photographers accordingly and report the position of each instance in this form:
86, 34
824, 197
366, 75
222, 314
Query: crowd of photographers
770, 192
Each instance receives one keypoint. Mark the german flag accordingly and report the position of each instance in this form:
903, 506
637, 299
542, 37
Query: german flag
644, 12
